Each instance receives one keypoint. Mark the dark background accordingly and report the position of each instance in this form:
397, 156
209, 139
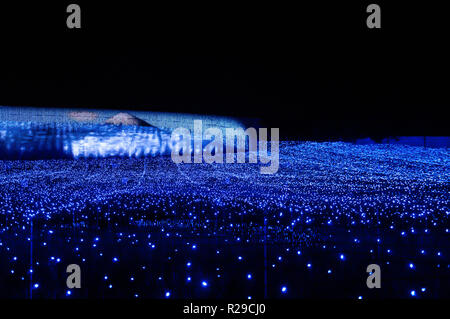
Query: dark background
314, 70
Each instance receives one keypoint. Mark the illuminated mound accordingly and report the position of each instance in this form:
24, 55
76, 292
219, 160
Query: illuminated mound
126, 119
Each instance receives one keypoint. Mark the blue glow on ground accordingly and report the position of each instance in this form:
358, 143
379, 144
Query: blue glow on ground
150, 213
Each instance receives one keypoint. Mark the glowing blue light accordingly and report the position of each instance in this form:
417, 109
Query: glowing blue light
105, 200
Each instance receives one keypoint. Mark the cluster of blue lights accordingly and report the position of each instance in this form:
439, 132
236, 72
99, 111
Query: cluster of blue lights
45, 141
143, 228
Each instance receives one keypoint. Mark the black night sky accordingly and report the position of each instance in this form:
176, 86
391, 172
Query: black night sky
315, 71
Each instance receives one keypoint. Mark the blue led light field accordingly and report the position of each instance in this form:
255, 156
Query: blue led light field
149, 228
